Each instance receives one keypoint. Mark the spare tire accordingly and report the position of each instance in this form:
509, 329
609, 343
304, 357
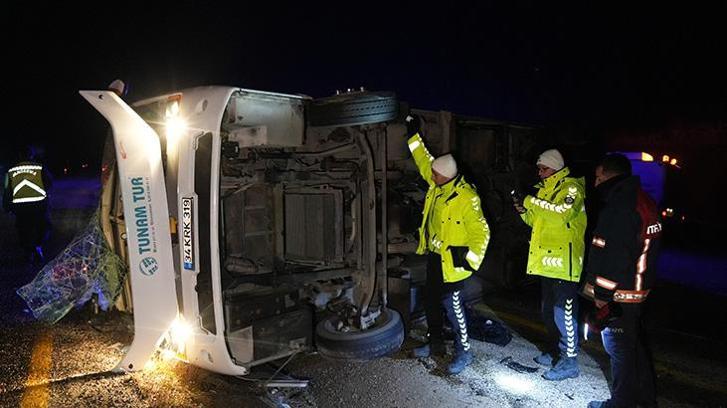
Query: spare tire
350, 109
383, 338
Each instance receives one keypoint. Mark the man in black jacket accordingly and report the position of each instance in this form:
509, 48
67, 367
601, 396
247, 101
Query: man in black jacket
620, 274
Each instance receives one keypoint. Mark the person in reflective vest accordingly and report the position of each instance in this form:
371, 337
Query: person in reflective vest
455, 235
26, 196
557, 216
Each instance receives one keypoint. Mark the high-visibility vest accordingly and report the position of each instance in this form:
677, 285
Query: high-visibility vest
26, 182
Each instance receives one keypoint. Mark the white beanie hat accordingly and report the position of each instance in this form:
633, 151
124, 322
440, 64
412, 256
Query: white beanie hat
551, 158
445, 165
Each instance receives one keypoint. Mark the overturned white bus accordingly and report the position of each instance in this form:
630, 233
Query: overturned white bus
256, 224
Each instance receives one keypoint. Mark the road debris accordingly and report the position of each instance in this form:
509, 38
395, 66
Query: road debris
514, 365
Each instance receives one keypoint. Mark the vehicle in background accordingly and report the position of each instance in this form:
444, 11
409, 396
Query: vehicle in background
660, 177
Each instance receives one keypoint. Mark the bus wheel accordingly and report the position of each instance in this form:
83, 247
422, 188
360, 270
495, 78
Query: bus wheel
381, 339
358, 108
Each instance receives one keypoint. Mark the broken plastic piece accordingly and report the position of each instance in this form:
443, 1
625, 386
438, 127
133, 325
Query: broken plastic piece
515, 366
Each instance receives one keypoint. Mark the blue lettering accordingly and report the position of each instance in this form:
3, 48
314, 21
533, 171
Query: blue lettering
142, 231
137, 189
137, 193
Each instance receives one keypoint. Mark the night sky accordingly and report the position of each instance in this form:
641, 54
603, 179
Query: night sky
587, 67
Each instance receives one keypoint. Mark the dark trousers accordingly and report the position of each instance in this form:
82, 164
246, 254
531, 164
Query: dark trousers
444, 297
560, 315
632, 370
32, 224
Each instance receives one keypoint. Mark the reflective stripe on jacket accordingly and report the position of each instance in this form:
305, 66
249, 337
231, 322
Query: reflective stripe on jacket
557, 216
462, 222
625, 245
25, 182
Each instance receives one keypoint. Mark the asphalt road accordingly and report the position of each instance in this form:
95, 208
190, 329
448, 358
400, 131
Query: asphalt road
68, 364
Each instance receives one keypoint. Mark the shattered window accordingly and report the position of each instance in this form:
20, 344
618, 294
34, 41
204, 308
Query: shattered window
87, 266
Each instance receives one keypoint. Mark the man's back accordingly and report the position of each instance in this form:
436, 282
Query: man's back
26, 182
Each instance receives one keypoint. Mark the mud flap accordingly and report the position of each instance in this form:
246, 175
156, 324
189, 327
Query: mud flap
146, 213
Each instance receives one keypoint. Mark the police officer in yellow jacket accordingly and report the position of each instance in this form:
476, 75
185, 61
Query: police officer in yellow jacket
26, 196
557, 216
454, 234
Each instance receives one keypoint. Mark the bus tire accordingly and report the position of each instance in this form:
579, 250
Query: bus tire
383, 338
358, 108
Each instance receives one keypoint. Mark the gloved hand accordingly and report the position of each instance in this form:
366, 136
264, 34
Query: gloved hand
517, 201
601, 317
459, 257
413, 125
517, 196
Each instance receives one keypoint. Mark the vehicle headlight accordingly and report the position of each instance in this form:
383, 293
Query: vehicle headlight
175, 125
180, 332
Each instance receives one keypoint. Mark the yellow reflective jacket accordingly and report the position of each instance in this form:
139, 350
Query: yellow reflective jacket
463, 225
558, 218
